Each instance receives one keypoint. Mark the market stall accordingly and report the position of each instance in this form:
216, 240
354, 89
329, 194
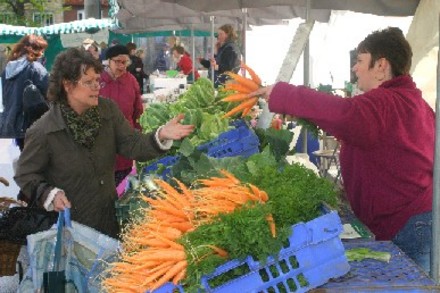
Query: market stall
318, 263
223, 167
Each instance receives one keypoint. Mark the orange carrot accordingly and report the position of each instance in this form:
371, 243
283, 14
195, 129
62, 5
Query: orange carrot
173, 271
163, 216
120, 286
155, 275
229, 176
159, 255
272, 227
150, 242
179, 276
221, 252
246, 111
248, 103
182, 226
167, 187
167, 232
249, 83
259, 193
237, 87
171, 243
184, 189
252, 73
216, 182
236, 97
168, 208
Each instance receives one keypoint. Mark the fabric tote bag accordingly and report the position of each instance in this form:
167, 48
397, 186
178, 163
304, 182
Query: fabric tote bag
84, 256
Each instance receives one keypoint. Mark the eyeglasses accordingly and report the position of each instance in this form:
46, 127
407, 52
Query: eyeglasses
121, 62
91, 84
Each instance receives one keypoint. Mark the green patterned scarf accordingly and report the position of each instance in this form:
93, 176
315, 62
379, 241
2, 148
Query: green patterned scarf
85, 127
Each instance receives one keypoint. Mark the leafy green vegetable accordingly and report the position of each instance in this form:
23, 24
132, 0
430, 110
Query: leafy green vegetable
241, 233
310, 127
278, 140
295, 194
201, 108
361, 253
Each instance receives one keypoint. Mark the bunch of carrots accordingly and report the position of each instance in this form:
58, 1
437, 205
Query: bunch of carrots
241, 86
151, 253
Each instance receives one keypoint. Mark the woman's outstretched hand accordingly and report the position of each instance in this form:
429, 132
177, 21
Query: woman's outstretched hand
174, 130
263, 92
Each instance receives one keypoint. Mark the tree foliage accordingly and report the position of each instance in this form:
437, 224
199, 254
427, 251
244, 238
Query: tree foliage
17, 9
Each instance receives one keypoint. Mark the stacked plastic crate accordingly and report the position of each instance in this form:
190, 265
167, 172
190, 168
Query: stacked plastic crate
313, 256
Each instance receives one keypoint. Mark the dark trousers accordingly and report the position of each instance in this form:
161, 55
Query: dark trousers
120, 175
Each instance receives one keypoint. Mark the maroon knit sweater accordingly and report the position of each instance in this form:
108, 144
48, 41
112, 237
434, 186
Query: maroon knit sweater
387, 147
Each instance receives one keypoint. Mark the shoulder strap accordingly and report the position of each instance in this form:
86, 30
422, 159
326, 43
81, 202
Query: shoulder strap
28, 82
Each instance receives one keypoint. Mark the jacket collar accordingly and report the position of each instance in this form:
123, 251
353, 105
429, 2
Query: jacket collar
56, 121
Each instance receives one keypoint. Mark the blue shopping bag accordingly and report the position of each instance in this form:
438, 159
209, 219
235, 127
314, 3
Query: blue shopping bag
84, 256
54, 281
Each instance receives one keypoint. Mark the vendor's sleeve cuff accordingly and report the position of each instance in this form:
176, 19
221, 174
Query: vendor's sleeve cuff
48, 203
165, 144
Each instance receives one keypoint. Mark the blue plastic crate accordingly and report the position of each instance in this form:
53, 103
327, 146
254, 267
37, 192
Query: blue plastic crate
241, 141
167, 162
401, 274
314, 255
240, 133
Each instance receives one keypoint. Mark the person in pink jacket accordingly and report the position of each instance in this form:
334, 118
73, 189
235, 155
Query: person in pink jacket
387, 141
122, 87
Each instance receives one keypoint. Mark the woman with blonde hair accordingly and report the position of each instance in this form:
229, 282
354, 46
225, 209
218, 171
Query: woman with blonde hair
227, 57
21, 69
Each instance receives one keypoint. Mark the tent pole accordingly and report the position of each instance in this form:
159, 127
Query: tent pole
306, 72
435, 253
243, 42
193, 53
212, 19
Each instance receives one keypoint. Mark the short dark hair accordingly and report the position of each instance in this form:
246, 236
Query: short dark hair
390, 44
179, 49
131, 46
116, 50
69, 66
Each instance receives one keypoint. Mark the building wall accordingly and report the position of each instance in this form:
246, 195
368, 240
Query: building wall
78, 5
57, 8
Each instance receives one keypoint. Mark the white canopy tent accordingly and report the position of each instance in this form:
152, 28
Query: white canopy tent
423, 36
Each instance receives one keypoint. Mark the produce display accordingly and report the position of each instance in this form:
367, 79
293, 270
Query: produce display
190, 229
214, 209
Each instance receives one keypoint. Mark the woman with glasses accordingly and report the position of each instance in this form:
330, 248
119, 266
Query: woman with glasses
22, 68
122, 87
69, 154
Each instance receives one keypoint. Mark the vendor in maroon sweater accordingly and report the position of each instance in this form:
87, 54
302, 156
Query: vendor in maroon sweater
387, 138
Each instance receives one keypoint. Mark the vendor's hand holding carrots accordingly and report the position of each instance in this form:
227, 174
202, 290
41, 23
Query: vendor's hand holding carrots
243, 91
263, 92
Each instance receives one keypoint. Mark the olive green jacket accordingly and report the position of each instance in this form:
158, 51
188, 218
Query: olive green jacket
51, 158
